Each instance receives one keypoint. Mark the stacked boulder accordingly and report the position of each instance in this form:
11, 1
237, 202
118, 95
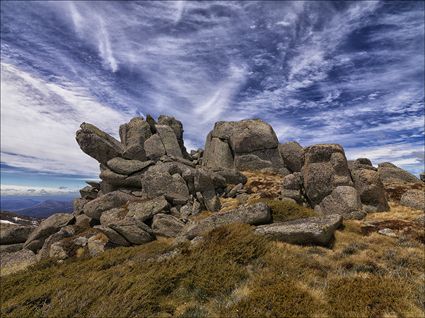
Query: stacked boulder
149, 184
323, 179
244, 145
150, 187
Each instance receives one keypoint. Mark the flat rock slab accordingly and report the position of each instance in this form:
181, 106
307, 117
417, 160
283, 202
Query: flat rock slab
126, 166
316, 230
255, 214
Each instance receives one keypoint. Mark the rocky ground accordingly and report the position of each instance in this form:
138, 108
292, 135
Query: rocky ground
246, 227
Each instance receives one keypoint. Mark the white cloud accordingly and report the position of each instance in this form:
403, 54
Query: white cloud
21, 190
39, 120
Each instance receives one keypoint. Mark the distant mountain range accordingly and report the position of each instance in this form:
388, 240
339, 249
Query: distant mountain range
36, 208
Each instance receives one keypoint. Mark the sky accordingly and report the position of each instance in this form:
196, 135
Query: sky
319, 72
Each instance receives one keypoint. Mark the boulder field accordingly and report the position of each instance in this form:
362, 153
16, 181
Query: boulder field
151, 187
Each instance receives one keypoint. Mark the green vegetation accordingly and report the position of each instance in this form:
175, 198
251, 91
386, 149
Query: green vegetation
230, 273
286, 210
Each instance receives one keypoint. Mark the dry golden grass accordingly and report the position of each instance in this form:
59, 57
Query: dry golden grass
265, 184
234, 273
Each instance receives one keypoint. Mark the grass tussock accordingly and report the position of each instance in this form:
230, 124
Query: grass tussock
285, 210
374, 296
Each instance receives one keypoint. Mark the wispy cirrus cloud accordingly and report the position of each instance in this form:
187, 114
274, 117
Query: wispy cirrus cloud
348, 72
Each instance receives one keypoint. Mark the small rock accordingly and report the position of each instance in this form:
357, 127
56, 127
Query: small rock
387, 232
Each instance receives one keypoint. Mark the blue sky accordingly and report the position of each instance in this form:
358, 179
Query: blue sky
319, 72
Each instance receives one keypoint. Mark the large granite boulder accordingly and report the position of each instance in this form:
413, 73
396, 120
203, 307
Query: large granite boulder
98, 144
246, 144
177, 127
371, 190
133, 136
147, 209
115, 199
169, 140
414, 199
113, 236
133, 231
166, 225
15, 234
255, 214
65, 232
154, 147
117, 180
361, 163
309, 231
158, 181
293, 155
389, 172
345, 201
325, 168
46, 228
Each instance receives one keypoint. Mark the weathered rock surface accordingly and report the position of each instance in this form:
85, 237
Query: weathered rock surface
15, 234
344, 200
157, 182
325, 168
255, 214
46, 228
66, 231
389, 172
293, 155
133, 136
115, 199
126, 166
167, 225
246, 144
177, 127
370, 189
145, 210
98, 144
133, 231
154, 147
316, 230
169, 140
113, 236
414, 199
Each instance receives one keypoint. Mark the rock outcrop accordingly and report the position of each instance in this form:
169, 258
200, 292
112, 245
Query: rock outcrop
345, 201
151, 187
